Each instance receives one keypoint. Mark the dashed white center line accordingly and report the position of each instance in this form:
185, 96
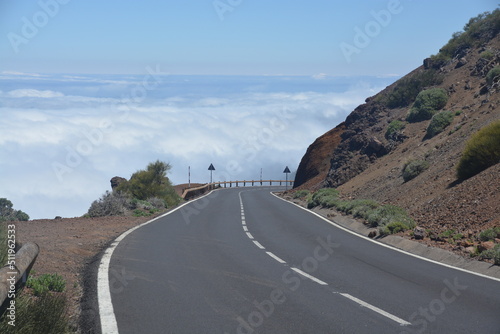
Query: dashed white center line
317, 280
258, 244
276, 258
312, 278
376, 309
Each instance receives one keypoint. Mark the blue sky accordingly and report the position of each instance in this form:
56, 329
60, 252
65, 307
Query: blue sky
255, 37
92, 89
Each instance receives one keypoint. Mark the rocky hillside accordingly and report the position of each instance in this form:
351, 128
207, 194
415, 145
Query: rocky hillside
364, 156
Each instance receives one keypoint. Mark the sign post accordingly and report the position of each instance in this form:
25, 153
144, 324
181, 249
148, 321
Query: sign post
211, 168
286, 171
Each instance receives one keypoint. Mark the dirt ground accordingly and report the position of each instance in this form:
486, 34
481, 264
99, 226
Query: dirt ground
67, 245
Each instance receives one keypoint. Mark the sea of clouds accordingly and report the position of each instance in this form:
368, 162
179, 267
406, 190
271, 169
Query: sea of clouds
63, 137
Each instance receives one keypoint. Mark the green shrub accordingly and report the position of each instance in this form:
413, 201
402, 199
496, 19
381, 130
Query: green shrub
426, 104
301, 194
388, 214
488, 55
7, 213
110, 204
490, 234
394, 127
46, 314
439, 122
492, 75
392, 228
407, 89
46, 283
363, 208
481, 151
477, 31
493, 254
413, 168
324, 197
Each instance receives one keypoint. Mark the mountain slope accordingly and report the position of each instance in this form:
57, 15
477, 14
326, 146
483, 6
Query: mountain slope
367, 161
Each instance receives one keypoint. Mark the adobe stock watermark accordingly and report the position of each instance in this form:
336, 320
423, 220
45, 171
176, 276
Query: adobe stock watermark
249, 148
292, 280
32, 26
94, 137
425, 315
364, 36
225, 6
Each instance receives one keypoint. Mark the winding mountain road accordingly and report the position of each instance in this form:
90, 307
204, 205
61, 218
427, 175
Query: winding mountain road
244, 261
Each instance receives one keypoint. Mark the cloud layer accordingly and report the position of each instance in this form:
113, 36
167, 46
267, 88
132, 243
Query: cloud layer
62, 138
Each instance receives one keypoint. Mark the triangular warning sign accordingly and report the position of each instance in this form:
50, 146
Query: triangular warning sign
286, 170
211, 167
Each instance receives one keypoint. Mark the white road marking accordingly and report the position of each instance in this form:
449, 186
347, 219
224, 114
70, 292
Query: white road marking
276, 258
258, 244
245, 228
106, 310
250, 235
312, 278
385, 245
376, 309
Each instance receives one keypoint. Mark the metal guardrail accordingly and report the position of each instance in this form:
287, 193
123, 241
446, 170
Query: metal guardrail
193, 192
14, 274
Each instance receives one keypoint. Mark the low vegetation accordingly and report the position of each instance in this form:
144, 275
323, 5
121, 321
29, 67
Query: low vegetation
45, 283
394, 128
490, 234
42, 312
301, 194
427, 103
407, 89
492, 254
439, 122
477, 31
7, 212
482, 150
147, 192
493, 75
389, 219
414, 168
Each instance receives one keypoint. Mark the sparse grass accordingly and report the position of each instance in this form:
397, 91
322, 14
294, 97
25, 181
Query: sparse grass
481, 151
46, 314
389, 218
427, 103
488, 55
414, 168
45, 283
439, 122
492, 254
324, 197
490, 234
301, 194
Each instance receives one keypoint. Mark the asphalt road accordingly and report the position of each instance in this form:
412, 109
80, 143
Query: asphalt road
243, 261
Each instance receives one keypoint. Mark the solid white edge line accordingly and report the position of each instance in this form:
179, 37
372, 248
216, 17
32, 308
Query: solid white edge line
276, 258
376, 309
312, 278
387, 246
106, 310
258, 244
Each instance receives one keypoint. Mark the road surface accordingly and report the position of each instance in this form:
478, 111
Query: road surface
244, 261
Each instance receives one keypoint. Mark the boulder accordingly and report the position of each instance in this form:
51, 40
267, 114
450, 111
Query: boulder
418, 233
116, 181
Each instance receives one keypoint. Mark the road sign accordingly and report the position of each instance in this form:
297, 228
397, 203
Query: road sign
211, 168
286, 171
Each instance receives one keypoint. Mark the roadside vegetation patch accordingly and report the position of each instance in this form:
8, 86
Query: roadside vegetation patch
301, 194
492, 254
45, 283
481, 151
389, 219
